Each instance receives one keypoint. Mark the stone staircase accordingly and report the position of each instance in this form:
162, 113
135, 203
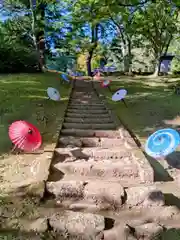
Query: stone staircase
98, 174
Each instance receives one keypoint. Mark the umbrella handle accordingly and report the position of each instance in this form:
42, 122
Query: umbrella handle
124, 102
109, 88
14, 148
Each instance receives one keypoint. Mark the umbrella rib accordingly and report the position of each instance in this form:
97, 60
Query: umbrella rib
21, 143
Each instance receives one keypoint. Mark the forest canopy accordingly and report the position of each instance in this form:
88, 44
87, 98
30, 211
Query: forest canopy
130, 35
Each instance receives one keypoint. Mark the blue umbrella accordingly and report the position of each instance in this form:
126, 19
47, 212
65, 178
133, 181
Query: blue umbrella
64, 77
162, 142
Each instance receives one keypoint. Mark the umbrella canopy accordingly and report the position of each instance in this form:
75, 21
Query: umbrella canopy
64, 77
53, 94
105, 83
119, 95
25, 136
162, 142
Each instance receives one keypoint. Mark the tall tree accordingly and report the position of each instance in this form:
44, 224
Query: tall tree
33, 12
86, 23
123, 19
157, 23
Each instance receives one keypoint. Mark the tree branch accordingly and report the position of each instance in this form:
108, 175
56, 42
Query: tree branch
119, 28
33, 25
136, 4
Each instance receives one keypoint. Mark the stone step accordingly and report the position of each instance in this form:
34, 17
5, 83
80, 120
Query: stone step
81, 90
96, 153
87, 120
87, 98
102, 169
106, 126
86, 106
88, 92
88, 115
94, 195
81, 101
125, 181
97, 142
90, 133
77, 225
84, 95
83, 111
85, 102
134, 157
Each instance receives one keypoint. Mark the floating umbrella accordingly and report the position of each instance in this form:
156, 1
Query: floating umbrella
120, 95
105, 83
25, 136
64, 77
97, 75
53, 94
162, 142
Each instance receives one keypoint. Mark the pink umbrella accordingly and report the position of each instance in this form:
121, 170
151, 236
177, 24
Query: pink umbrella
25, 136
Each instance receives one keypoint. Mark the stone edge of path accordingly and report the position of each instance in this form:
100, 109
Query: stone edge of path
58, 132
36, 188
145, 170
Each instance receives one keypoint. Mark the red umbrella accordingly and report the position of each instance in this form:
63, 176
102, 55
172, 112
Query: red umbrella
25, 136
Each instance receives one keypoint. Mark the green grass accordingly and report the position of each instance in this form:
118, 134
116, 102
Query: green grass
150, 103
24, 97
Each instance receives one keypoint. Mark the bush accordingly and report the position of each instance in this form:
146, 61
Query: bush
175, 66
15, 60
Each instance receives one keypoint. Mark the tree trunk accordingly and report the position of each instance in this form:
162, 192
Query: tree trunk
124, 55
129, 56
124, 51
88, 63
38, 54
94, 39
124, 45
40, 35
41, 51
157, 67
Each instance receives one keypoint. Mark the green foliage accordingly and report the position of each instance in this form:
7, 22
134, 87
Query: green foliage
175, 49
16, 51
175, 65
157, 23
141, 32
60, 63
20, 35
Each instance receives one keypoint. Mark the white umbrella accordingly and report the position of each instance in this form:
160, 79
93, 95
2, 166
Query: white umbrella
53, 94
119, 95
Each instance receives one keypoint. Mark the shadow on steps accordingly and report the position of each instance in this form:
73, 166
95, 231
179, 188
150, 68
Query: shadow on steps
160, 174
172, 200
173, 233
173, 160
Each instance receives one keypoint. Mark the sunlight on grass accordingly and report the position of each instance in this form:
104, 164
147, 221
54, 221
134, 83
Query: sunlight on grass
149, 107
24, 97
